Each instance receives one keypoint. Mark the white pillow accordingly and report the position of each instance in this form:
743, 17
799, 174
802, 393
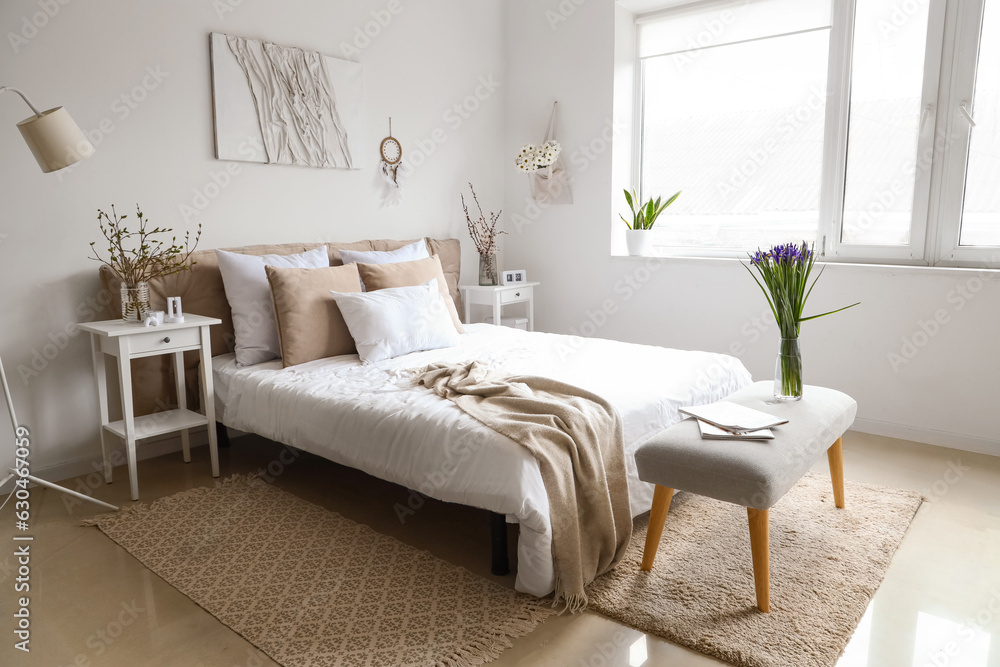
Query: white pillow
249, 296
408, 253
393, 321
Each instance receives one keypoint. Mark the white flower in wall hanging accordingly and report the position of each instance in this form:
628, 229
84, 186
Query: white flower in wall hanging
548, 180
532, 157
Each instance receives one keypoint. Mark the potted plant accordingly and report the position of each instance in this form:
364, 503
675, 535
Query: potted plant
139, 256
639, 236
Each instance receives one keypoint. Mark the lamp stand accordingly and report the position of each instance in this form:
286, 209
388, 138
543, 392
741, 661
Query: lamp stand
36, 480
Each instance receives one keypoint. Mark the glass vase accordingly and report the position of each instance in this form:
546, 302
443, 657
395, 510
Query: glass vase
135, 302
488, 274
788, 371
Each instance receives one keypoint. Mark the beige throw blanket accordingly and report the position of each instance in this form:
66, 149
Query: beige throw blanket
577, 439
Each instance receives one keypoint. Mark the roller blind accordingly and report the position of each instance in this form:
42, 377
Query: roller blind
709, 24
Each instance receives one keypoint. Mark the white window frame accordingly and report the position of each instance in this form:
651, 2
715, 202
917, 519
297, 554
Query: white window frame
949, 78
965, 18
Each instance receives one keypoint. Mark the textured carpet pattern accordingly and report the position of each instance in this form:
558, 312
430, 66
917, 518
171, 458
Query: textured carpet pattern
313, 589
825, 566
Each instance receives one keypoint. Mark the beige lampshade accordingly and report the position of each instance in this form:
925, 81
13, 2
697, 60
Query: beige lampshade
55, 140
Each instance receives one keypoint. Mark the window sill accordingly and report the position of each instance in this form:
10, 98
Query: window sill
984, 273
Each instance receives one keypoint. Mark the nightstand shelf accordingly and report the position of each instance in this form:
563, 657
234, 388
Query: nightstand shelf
160, 423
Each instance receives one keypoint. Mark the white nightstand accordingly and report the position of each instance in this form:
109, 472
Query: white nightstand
498, 296
126, 341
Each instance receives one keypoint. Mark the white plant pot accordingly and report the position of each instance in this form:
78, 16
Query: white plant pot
639, 242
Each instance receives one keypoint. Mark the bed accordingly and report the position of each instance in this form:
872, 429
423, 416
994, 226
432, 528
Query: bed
372, 417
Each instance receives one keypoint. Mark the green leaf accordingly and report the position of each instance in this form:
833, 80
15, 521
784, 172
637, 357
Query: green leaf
813, 317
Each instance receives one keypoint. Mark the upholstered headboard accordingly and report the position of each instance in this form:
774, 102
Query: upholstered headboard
202, 293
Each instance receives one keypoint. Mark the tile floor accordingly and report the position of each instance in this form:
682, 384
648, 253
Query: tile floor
93, 605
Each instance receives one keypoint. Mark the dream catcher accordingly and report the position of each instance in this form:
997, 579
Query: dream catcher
392, 154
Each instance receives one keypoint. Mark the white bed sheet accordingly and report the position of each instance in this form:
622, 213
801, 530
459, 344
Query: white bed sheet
371, 417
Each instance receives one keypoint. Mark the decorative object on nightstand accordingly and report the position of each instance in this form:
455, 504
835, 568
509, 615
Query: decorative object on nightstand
56, 142
514, 277
139, 256
484, 235
639, 236
174, 313
784, 270
126, 341
498, 296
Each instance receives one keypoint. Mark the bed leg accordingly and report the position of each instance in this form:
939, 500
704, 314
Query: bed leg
498, 538
222, 435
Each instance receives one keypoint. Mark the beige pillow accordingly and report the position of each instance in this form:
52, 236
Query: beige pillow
310, 325
407, 274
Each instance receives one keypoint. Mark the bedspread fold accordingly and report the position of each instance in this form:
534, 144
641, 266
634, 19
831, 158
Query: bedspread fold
577, 438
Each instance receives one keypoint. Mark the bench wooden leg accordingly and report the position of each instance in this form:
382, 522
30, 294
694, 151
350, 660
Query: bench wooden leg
760, 550
836, 456
657, 517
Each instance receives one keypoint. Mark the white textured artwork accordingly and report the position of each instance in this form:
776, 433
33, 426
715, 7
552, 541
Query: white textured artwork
285, 105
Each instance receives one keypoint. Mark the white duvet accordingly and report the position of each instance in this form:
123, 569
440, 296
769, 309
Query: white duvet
372, 418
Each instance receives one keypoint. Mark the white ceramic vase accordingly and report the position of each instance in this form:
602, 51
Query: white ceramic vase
639, 242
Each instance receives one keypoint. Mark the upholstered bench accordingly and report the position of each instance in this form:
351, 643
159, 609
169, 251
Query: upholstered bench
751, 473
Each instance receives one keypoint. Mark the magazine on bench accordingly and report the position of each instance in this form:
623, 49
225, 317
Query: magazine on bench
709, 432
733, 417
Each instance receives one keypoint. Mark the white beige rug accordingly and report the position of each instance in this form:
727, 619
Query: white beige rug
312, 589
825, 566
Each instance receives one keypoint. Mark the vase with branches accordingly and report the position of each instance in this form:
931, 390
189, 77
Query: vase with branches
484, 233
139, 255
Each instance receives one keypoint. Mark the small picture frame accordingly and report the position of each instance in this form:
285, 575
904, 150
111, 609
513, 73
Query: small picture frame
514, 276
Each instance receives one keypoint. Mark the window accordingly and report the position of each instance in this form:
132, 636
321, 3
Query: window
735, 122
981, 204
783, 120
970, 203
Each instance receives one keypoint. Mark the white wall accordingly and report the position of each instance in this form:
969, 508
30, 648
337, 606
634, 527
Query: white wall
429, 57
946, 392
